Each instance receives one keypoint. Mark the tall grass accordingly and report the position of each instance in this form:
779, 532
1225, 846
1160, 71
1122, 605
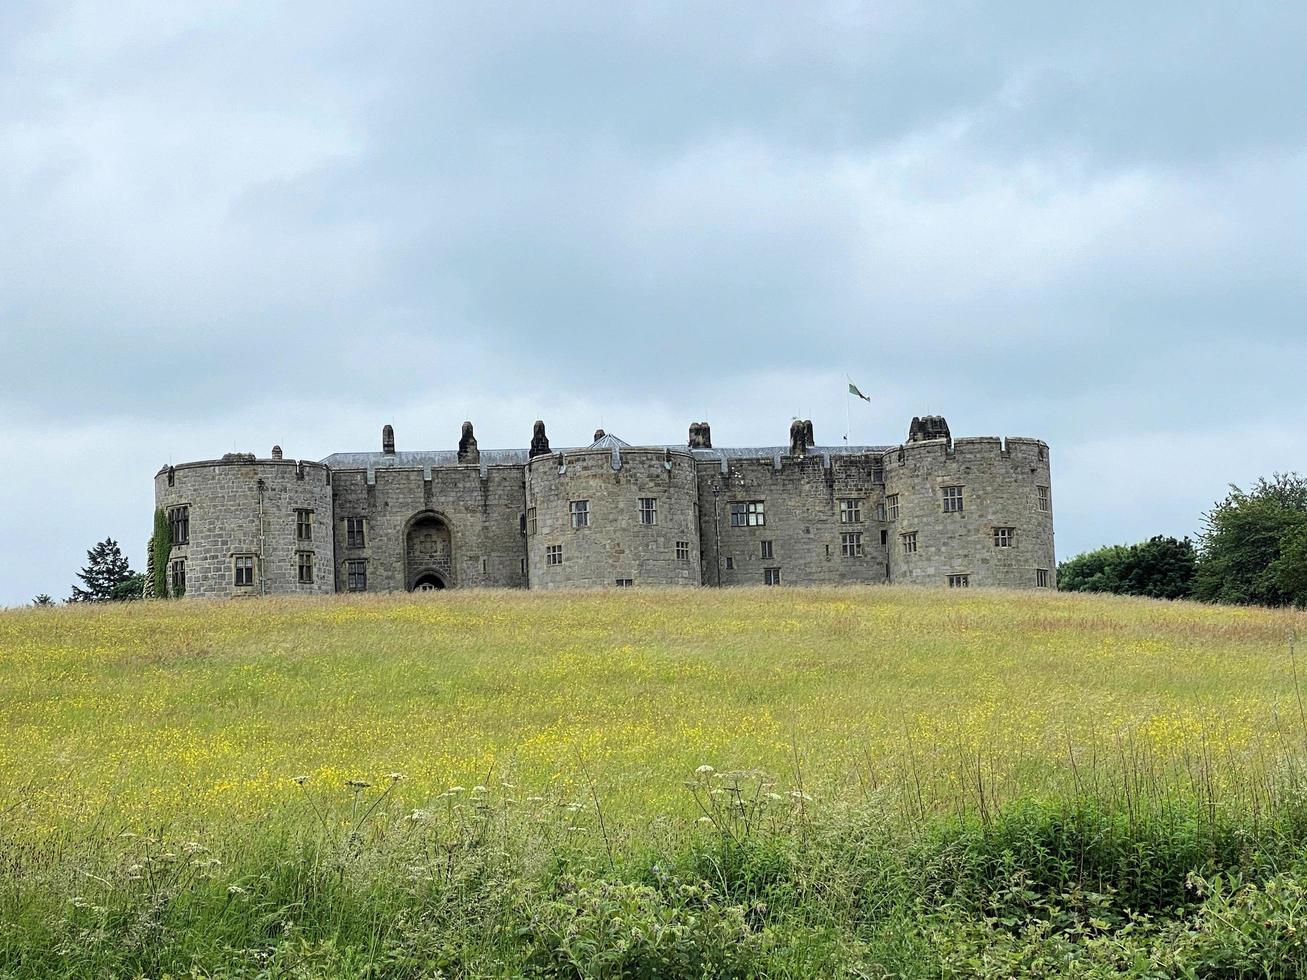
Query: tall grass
867, 782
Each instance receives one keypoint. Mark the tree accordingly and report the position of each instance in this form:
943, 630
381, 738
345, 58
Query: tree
105, 573
1161, 568
1244, 538
43, 600
1290, 569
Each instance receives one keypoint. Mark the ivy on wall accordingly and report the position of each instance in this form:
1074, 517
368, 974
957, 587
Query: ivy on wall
160, 550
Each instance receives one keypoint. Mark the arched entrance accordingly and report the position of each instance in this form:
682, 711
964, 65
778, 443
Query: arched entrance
428, 553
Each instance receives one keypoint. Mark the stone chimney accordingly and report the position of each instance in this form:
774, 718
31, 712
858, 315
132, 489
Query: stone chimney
467, 446
927, 427
276, 452
599, 434
700, 435
798, 438
807, 433
388, 440
539, 441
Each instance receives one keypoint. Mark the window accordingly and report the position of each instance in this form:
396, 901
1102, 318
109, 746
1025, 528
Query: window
243, 566
884, 536
354, 532
730, 564
1041, 578
485, 566
356, 575
851, 511
553, 554
1044, 503
851, 544
530, 520
880, 511
771, 576
523, 566
878, 472
305, 564
952, 500
766, 548
893, 501
179, 524
1004, 537
580, 513
303, 525
959, 581
625, 583
648, 510
748, 513
682, 551
179, 577
909, 543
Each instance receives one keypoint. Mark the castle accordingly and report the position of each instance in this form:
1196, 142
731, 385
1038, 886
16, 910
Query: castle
933, 510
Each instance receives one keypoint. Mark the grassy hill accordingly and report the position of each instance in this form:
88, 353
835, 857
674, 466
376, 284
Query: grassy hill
542, 763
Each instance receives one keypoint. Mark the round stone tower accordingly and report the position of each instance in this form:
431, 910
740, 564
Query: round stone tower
246, 527
612, 515
969, 512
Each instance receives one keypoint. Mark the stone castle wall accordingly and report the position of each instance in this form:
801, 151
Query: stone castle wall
473, 518
1000, 488
482, 513
614, 545
223, 497
801, 497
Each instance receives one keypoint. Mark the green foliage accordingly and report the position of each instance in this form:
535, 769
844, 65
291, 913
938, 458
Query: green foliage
1242, 543
107, 577
129, 589
161, 549
43, 600
1160, 568
1290, 569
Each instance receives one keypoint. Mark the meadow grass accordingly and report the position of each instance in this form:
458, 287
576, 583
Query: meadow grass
796, 782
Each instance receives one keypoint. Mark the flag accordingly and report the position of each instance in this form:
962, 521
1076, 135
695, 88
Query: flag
853, 390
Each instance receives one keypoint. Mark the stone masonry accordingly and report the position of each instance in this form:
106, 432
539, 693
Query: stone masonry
933, 510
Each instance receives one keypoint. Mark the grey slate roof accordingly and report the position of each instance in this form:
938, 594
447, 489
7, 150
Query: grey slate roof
422, 459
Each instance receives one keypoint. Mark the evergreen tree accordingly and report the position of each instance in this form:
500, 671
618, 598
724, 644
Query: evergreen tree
43, 600
1248, 543
106, 570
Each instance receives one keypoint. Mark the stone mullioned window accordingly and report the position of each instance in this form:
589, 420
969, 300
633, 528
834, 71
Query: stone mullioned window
553, 554
952, 500
851, 510
580, 511
748, 513
356, 575
959, 581
851, 544
243, 570
179, 524
303, 525
909, 541
1005, 537
304, 567
648, 510
354, 536
682, 551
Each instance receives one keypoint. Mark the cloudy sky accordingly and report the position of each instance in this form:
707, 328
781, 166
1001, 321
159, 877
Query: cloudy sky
224, 225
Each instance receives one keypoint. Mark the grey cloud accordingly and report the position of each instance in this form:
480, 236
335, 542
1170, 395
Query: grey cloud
1041, 219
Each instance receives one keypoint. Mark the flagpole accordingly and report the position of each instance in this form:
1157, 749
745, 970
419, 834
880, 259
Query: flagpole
848, 416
